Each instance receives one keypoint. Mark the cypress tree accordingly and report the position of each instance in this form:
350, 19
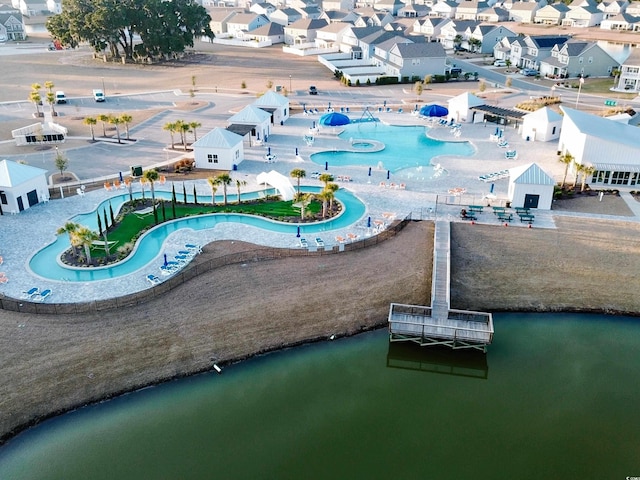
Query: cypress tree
113, 220
106, 222
99, 223
184, 193
164, 213
195, 197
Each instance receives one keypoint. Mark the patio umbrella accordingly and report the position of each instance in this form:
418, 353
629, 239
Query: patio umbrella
298, 234
121, 179
165, 260
334, 119
434, 111
369, 222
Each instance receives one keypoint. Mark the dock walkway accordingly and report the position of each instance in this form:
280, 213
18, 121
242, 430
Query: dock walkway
439, 324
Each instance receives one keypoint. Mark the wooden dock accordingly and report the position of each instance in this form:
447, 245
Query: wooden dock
439, 324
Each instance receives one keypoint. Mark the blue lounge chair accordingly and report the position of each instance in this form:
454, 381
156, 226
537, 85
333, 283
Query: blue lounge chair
153, 280
44, 295
400, 110
32, 292
191, 246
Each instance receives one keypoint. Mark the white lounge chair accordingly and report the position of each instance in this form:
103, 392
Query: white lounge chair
319, 242
44, 295
304, 243
153, 280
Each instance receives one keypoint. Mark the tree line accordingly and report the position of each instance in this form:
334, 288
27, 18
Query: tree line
133, 29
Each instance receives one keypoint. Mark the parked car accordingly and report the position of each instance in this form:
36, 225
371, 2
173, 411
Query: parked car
98, 95
499, 63
313, 90
60, 97
529, 72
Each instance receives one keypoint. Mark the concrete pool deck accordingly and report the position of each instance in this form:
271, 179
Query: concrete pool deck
24, 234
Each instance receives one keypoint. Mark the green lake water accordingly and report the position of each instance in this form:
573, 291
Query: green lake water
556, 397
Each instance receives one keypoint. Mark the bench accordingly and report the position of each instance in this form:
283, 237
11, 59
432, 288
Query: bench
475, 208
527, 217
520, 210
505, 217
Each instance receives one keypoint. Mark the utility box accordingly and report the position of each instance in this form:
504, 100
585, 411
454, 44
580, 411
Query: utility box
136, 171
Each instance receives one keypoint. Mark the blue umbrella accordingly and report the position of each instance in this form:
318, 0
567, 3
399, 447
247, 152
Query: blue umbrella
388, 174
369, 171
296, 151
492, 187
434, 111
298, 234
326, 165
334, 119
121, 179
165, 260
369, 222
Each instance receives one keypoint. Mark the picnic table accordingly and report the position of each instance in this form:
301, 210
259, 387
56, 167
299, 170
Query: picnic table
475, 208
499, 210
527, 217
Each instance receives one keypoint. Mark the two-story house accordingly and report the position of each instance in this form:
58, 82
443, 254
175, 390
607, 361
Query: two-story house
285, 16
11, 25
303, 31
415, 60
551, 14
242, 23
493, 15
629, 79
444, 8
525, 12
583, 17
578, 58
613, 8
469, 9
452, 35
488, 35
430, 27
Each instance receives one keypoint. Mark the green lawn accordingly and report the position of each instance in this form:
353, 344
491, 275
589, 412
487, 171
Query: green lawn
129, 225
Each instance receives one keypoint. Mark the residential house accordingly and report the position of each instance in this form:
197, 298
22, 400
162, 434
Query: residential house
303, 31
622, 21
402, 25
583, 17
340, 5
276, 105
444, 8
11, 25
242, 23
286, 16
629, 80
299, 4
263, 8
390, 6
578, 58
54, 6
526, 52
413, 10
219, 149
336, 16
613, 8
412, 60
525, 12
469, 9
31, 8
372, 18
219, 20
551, 14
493, 15
310, 12
331, 35
358, 41
488, 36
430, 27
273, 32
21, 186
453, 33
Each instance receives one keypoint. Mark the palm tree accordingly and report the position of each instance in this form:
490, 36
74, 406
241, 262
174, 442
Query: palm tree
579, 169
151, 176
85, 238
325, 196
91, 121
51, 100
171, 127
104, 119
224, 179
333, 188
213, 184
326, 178
419, 87
184, 128
239, 185
304, 200
567, 158
126, 119
70, 228
298, 174
113, 120
35, 97
194, 126
587, 171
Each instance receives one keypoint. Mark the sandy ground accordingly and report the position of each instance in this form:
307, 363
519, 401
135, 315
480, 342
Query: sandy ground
53, 363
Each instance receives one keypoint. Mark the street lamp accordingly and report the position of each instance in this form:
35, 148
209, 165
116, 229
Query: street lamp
579, 90
103, 90
290, 83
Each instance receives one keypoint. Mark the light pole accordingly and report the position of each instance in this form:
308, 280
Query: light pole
103, 90
579, 90
290, 83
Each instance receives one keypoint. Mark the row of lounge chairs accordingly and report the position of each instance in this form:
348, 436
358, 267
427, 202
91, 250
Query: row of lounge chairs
393, 186
36, 295
305, 244
490, 177
171, 267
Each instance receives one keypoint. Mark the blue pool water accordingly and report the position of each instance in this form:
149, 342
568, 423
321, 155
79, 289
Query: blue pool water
45, 262
406, 147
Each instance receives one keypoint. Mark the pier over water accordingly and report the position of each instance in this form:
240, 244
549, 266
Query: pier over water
439, 324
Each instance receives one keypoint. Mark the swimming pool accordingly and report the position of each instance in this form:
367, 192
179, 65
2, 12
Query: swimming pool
405, 147
46, 265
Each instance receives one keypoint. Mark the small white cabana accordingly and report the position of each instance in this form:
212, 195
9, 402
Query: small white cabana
279, 182
21, 186
252, 120
530, 187
219, 149
460, 108
276, 105
543, 125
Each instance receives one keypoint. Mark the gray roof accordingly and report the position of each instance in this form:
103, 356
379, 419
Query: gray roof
13, 174
530, 174
218, 138
421, 50
604, 128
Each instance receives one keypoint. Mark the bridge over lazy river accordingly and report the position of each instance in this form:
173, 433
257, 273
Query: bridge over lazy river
439, 324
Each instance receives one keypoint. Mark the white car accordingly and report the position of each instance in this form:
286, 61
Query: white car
60, 97
98, 95
499, 63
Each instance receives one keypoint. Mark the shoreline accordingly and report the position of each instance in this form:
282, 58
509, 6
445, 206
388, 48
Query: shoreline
176, 335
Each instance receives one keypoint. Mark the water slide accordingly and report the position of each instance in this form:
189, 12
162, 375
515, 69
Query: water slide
279, 182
